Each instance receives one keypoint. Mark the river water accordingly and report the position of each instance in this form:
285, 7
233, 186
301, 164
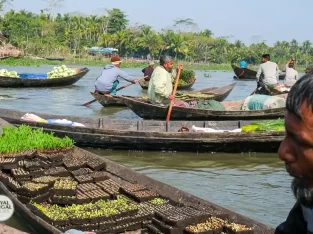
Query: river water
255, 185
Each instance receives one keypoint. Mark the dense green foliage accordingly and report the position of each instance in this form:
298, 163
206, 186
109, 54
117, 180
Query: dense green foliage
23, 138
67, 35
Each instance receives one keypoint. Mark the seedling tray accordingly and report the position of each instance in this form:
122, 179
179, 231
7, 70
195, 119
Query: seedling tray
56, 163
73, 165
82, 198
100, 176
64, 200
176, 221
96, 165
210, 210
57, 171
89, 227
84, 179
142, 196
123, 220
77, 221
33, 193
166, 228
146, 223
107, 224
12, 184
42, 198
97, 195
81, 171
34, 164
37, 172
20, 173
153, 229
87, 187
64, 192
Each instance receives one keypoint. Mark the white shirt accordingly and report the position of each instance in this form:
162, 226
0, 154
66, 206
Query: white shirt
291, 76
270, 72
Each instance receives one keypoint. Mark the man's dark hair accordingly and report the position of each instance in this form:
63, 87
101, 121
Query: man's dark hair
267, 56
165, 59
291, 65
300, 92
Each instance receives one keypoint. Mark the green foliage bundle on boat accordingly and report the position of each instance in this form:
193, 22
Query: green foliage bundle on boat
15, 140
193, 96
186, 77
269, 126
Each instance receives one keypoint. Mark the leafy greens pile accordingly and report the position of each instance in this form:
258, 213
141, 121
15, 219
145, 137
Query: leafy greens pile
15, 140
269, 126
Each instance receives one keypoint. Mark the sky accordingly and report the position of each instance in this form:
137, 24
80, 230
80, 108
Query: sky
247, 20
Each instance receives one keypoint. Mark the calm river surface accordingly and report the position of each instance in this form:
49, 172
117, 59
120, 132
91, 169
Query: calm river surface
255, 185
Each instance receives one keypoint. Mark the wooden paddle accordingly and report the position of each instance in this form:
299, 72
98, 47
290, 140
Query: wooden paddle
174, 93
123, 87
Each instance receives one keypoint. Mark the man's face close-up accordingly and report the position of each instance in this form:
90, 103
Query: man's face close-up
296, 150
169, 66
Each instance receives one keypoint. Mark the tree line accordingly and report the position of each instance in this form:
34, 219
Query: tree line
44, 34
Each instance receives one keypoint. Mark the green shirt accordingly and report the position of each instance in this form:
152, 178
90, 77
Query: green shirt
160, 86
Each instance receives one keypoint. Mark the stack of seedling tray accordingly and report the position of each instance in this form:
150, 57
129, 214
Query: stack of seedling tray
72, 190
138, 192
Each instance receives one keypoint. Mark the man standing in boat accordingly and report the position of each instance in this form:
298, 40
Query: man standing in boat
148, 71
269, 70
108, 81
160, 86
291, 74
296, 150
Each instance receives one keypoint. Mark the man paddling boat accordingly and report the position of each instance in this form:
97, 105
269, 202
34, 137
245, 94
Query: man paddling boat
148, 71
160, 86
296, 150
108, 81
269, 70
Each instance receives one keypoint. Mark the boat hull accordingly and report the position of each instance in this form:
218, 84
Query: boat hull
123, 175
155, 135
247, 74
219, 95
8, 82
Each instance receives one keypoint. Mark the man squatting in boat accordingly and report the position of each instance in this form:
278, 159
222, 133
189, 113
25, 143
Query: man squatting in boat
160, 86
296, 150
267, 74
108, 81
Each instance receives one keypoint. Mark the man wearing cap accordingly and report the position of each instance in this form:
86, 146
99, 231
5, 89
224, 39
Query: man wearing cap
107, 82
148, 71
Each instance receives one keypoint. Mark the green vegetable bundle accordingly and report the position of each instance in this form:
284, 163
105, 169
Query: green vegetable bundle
269, 126
6, 73
187, 75
15, 140
59, 72
193, 96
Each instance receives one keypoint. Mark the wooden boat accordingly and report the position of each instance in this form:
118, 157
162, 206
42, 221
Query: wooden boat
147, 110
122, 177
55, 58
247, 74
155, 135
219, 94
145, 84
277, 91
9, 82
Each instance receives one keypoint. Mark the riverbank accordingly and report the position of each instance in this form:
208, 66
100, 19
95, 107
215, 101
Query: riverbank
94, 61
